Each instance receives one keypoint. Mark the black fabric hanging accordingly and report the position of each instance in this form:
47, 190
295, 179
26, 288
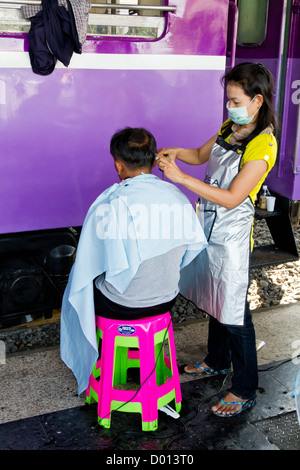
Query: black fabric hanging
41, 59
53, 36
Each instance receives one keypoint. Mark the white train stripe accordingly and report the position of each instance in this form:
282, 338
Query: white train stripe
123, 61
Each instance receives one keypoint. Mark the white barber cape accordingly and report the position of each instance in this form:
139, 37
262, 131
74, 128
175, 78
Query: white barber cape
130, 222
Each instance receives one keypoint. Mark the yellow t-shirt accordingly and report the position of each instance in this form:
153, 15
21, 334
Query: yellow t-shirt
262, 147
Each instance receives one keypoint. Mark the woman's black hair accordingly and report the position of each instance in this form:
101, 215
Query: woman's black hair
135, 146
256, 79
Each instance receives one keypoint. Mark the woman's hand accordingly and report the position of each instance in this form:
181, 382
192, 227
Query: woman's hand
169, 167
170, 152
191, 156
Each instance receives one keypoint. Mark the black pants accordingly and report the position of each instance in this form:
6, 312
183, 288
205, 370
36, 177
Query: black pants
237, 344
104, 307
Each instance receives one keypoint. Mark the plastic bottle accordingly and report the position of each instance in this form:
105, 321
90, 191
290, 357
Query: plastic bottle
263, 197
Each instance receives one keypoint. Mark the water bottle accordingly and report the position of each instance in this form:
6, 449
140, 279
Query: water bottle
263, 197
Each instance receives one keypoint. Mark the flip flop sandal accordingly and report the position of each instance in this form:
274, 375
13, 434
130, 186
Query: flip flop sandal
207, 371
246, 405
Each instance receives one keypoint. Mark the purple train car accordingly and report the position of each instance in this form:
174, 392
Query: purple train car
151, 63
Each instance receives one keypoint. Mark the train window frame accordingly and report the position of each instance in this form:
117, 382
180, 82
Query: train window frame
106, 19
257, 34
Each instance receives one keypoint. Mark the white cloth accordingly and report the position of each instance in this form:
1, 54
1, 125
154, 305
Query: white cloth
128, 223
296, 393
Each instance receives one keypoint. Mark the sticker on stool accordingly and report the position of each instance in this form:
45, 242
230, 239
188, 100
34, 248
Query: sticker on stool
126, 330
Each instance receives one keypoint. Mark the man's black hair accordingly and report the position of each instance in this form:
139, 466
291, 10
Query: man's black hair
135, 146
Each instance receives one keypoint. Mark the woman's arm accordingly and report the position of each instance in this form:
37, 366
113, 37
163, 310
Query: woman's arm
191, 156
239, 189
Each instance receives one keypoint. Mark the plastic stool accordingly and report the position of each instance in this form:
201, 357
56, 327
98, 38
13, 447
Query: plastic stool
159, 377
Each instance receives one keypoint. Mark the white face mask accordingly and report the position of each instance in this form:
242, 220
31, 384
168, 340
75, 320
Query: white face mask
240, 115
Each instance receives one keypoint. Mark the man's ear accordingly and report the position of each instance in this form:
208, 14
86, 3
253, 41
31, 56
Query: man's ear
119, 166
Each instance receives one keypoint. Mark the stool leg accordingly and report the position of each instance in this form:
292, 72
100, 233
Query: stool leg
95, 374
148, 382
174, 368
106, 380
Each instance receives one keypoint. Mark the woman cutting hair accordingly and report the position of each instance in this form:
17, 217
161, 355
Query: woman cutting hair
238, 160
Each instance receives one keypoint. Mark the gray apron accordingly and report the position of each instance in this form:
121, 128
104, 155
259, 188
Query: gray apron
217, 280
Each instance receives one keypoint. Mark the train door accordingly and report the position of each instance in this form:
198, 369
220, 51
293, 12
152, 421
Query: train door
288, 171
268, 32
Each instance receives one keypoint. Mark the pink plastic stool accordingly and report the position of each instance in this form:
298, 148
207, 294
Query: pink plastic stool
159, 377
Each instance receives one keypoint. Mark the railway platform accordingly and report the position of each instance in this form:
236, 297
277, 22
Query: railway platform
40, 409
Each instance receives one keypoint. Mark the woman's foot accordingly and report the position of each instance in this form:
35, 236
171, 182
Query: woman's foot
232, 405
202, 369
196, 368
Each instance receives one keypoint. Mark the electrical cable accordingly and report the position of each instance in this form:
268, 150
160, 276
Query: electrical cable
285, 361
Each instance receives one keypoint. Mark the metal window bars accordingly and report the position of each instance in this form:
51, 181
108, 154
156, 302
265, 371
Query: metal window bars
110, 6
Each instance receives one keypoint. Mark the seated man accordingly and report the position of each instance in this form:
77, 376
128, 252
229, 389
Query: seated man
136, 238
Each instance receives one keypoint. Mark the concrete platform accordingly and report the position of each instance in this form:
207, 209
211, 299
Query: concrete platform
40, 408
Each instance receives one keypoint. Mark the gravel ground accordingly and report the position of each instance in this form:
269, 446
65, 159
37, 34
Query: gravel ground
273, 285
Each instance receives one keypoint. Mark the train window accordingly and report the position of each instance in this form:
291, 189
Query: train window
252, 23
12, 19
120, 18
116, 19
